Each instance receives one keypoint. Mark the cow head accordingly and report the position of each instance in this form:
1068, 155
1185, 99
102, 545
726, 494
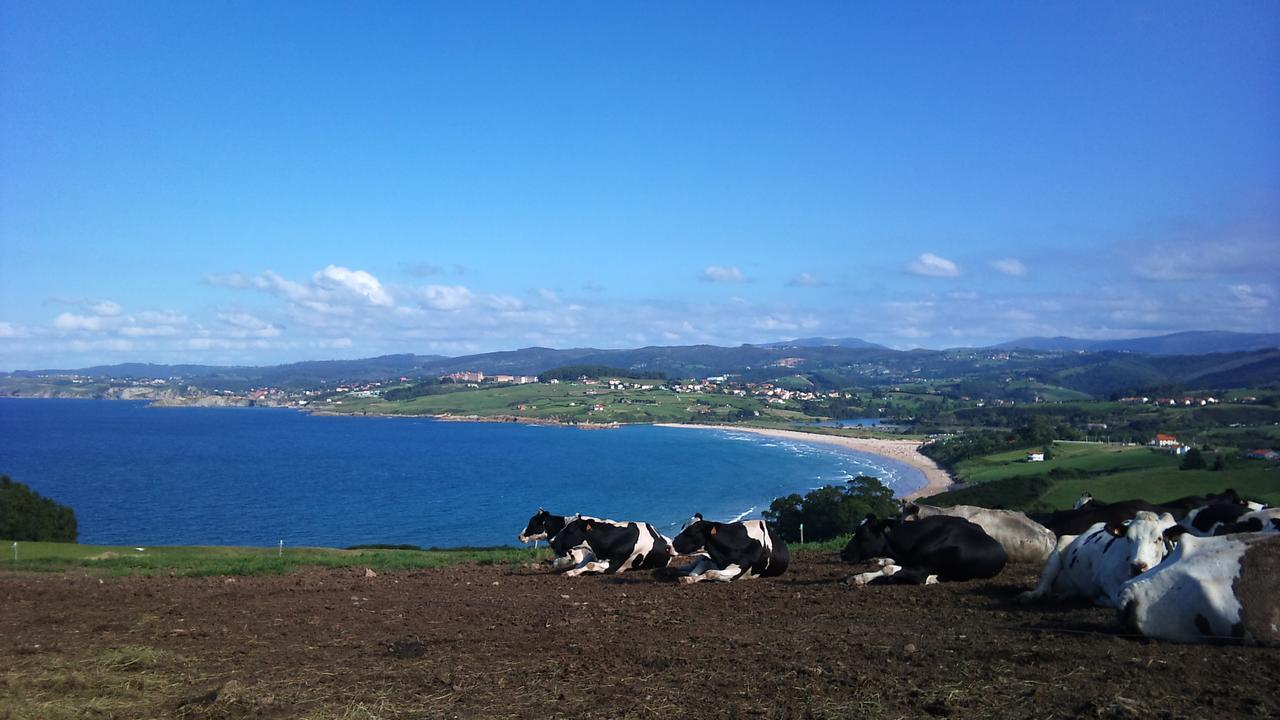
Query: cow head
1148, 543
870, 540
537, 527
695, 535
575, 534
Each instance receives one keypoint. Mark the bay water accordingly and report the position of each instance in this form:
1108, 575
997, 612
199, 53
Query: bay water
141, 475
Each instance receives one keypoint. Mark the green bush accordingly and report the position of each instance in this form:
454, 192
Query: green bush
24, 515
830, 511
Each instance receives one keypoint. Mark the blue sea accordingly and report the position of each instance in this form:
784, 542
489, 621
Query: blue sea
139, 475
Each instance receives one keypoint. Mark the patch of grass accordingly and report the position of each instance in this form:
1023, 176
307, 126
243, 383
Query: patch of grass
1084, 457
203, 561
132, 681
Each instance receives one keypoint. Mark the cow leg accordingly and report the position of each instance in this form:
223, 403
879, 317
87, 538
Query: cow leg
1049, 574
905, 576
884, 571
710, 572
698, 570
573, 558
729, 572
591, 566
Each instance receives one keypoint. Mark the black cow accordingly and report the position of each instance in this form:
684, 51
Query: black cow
1075, 522
744, 549
1191, 502
616, 546
924, 551
544, 526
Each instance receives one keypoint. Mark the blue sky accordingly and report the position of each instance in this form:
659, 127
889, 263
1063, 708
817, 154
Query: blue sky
268, 182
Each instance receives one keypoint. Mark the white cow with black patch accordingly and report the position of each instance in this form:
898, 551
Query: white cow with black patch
1094, 565
1219, 589
731, 551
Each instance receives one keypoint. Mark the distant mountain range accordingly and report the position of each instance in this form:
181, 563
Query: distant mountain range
1036, 365
1195, 342
812, 342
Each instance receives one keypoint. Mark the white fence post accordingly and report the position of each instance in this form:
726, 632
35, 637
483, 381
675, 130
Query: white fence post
280, 552
801, 533
15, 551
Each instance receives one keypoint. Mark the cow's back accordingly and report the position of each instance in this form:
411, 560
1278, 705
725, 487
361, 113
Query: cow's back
779, 555
1023, 539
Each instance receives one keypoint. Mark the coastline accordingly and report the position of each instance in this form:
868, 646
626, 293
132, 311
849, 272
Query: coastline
937, 480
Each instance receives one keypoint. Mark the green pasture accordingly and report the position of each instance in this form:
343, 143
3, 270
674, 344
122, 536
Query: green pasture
575, 402
198, 561
1261, 482
1086, 457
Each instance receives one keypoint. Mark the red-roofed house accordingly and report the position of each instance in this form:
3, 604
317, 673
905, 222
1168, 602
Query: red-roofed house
1163, 440
1264, 454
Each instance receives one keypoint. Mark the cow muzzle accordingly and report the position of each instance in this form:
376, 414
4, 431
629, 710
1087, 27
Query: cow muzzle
1137, 569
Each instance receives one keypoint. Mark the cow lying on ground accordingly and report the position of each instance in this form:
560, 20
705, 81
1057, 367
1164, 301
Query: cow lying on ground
1265, 521
1096, 563
736, 550
1074, 522
1207, 520
544, 526
1023, 539
1223, 589
924, 551
615, 546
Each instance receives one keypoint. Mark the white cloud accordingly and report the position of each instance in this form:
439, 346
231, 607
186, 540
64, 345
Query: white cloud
445, 297
549, 295
805, 279
502, 303
164, 317
358, 282
1252, 297
138, 331
1010, 266
931, 265
246, 325
9, 330
723, 273
105, 308
72, 322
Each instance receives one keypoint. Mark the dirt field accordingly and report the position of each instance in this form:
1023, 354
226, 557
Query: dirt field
497, 642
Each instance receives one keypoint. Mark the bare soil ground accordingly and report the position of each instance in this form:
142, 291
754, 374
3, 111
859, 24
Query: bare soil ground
516, 642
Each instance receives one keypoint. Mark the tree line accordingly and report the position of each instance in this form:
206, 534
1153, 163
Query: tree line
595, 372
25, 515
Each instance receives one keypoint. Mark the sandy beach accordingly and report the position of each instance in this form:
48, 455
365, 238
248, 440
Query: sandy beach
904, 451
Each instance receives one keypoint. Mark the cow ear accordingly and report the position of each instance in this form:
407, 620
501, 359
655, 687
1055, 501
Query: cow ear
697, 516
588, 527
1171, 535
713, 531
541, 510
1115, 529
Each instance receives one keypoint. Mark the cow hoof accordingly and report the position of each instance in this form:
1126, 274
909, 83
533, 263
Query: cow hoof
931, 580
864, 578
688, 580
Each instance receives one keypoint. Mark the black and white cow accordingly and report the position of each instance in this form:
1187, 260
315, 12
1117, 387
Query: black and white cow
544, 526
1264, 521
924, 551
737, 550
1208, 520
1023, 539
615, 546
1095, 564
1222, 589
